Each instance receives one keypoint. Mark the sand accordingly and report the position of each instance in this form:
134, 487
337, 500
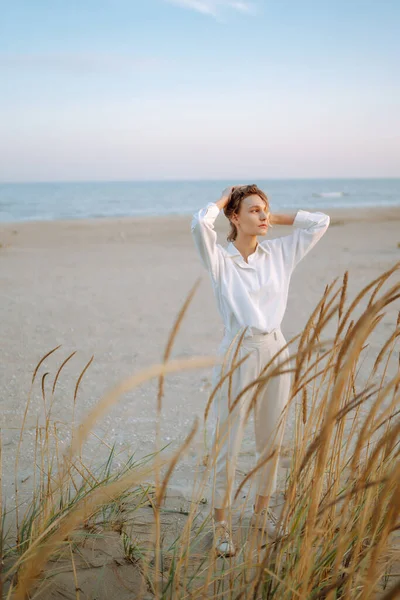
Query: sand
112, 288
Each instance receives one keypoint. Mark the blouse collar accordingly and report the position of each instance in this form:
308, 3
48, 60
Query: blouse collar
233, 251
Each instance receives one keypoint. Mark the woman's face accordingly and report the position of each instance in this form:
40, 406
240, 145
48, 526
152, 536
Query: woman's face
253, 213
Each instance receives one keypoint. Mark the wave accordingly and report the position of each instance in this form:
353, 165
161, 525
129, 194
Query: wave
330, 194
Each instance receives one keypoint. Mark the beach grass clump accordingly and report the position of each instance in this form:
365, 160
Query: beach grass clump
339, 517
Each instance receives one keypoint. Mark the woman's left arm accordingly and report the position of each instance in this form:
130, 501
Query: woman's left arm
309, 228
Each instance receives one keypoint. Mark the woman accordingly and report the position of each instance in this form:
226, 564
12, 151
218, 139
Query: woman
250, 281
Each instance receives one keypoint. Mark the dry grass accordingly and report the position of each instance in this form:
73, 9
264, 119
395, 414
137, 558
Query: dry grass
341, 498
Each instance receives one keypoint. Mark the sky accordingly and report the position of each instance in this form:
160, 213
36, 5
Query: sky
199, 89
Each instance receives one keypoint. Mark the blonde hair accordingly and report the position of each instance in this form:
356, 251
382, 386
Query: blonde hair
235, 200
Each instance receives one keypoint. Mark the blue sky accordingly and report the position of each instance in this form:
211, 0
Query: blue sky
198, 89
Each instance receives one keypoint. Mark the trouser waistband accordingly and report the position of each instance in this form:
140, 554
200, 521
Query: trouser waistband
252, 337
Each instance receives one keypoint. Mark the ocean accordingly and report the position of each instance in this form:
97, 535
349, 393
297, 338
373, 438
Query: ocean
55, 201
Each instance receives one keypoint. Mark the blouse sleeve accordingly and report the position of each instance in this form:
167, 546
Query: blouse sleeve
205, 237
309, 229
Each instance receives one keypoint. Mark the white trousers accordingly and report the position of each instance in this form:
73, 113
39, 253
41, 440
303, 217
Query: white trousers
270, 412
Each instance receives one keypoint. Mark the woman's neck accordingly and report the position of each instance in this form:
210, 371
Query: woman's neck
246, 245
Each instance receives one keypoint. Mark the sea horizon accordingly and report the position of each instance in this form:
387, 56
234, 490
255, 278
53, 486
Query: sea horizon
69, 200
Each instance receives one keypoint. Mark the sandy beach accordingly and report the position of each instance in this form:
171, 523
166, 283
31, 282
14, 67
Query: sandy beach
112, 288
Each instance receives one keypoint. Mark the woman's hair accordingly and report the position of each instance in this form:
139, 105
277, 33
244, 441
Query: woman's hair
233, 205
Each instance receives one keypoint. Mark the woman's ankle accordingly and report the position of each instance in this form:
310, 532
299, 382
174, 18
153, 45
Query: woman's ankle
261, 502
219, 514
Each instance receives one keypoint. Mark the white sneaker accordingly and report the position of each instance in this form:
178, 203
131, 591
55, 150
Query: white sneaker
266, 520
223, 543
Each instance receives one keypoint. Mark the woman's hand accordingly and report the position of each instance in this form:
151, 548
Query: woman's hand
226, 195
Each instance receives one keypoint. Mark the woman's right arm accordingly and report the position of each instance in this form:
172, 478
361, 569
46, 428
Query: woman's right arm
204, 234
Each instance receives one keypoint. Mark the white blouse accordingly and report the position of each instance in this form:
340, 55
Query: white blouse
254, 294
